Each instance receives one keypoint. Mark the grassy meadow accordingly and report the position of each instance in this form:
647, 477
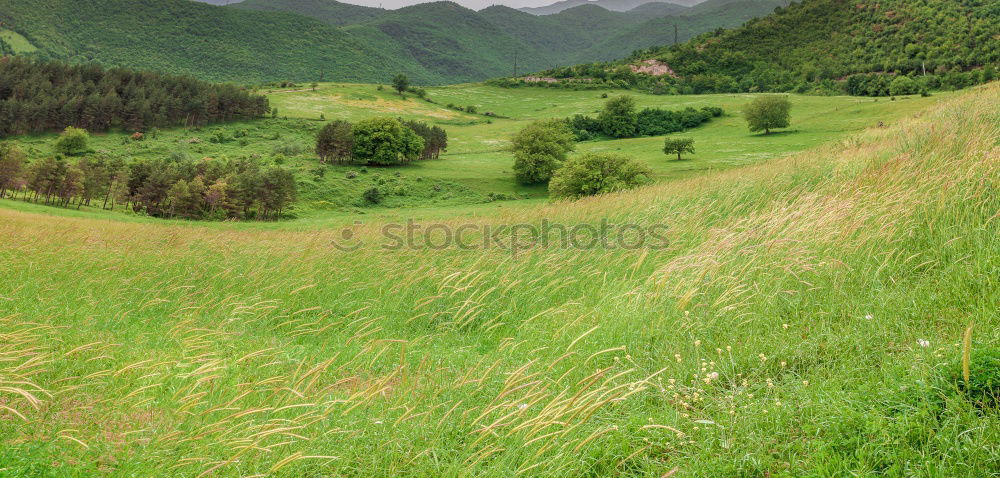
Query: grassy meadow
476, 169
806, 318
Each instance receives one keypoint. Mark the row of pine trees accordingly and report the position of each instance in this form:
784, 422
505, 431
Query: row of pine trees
48, 96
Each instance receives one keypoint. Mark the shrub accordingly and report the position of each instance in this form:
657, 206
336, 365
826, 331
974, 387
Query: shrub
597, 173
373, 195
289, 149
72, 141
219, 137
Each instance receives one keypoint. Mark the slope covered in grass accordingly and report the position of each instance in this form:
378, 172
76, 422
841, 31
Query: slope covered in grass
781, 331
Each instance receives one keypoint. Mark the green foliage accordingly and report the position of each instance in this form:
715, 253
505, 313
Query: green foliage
72, 141
648, 122
678, 146
597, 173
400, 83
435, 138
12, 161
539, 149
983, 387
327, 11
816, 47
768, 112
619, 119
902, 86
385, 142
335, 141
88, 96
373, 195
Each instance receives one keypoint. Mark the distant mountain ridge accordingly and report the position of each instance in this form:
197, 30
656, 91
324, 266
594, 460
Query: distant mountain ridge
310, 40
612, 5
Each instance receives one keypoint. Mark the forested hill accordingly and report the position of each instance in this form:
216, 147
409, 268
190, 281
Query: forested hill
832, 46
210, 42
328, 11
259, 41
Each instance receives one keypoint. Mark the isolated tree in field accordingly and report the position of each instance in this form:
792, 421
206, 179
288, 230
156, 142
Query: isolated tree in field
678, 146
385, 141
539, 149
768, 112
72, 141
11, 164
400, 83
335, 141
597, 173
619, 119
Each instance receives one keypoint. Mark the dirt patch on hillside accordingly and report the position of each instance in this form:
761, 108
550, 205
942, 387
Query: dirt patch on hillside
653, 68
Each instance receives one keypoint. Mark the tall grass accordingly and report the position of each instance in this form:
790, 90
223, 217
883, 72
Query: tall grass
781, 333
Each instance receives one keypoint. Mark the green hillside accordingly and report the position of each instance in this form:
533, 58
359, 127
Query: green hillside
829, 46
804, 317
184, 37
446, 38
328, 11
694, 21
306, 40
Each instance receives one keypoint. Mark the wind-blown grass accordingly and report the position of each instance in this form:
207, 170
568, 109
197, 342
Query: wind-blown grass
779, 334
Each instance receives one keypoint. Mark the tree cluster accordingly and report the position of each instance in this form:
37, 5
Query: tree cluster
49, 96
380, 141
619, 119
168, 187
598, 173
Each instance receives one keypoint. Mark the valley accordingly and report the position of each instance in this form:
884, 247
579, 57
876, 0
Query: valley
477, 163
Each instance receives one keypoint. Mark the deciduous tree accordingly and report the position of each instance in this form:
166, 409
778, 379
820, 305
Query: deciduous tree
768, 112
539, 149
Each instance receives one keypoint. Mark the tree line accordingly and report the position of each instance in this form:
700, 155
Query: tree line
380, 141
167, 187
40, 96
620, 119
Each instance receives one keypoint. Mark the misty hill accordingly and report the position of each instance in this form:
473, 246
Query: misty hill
328, 11
613, 5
